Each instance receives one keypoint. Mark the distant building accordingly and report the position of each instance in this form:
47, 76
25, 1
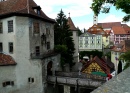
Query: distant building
117, 50
89, 42
103, 65
26, 38
75, 38
118, 31
95, 29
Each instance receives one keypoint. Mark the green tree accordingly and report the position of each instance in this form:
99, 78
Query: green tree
63, 36
88, 53
105, 5
79, 31
126, 58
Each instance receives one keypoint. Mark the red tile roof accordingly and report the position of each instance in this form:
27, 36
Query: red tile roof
118, 30
109, 24
124, 25
126, 28
124, 46
108, 62
95, 29
108, 32
6, 60
20, 8
100, 62
71, 24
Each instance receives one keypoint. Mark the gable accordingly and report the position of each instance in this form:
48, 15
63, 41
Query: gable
93, 67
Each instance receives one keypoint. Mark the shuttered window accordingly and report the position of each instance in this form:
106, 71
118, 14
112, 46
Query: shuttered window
48, 45
10, 26
1, 27
36, 27
37, 49
1, 47
10, 47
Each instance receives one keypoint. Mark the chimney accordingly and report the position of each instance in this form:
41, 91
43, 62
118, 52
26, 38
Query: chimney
91, 57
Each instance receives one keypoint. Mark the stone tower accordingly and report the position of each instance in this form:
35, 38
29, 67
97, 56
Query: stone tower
95, 19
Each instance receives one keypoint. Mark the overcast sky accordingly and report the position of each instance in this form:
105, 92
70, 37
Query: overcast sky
79, 10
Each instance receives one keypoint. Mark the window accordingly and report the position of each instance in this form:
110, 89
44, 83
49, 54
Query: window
1, 27
86, 37
48, 45
10, 26
47, 31
30, 80
1, 47
77, 34
37, 48
94, 69
80, 45
98, 37
98, 42
7, 83
91, 29
10, 47
80, 38
98, 29
38, 12
80, 42
86, 42
36, 28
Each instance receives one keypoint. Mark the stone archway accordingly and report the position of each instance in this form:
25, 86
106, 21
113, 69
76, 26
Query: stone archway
49, 68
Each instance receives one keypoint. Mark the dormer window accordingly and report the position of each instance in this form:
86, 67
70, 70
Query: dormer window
118, 48
37, 9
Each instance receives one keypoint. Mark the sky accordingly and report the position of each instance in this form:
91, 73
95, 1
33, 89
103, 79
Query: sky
80, 12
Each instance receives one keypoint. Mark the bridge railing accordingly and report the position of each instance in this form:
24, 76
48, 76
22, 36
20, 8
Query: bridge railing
75, 81
79, 75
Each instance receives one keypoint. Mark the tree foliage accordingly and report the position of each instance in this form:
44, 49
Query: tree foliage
79, 31
126, 58
88, 53
63, 38
105, 5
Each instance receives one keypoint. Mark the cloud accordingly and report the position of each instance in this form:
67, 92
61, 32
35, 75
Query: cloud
111, 18
75, 7
83, 25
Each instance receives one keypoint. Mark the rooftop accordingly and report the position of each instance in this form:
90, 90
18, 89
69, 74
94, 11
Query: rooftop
124, 46
6, 60
71, 24
22, 8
